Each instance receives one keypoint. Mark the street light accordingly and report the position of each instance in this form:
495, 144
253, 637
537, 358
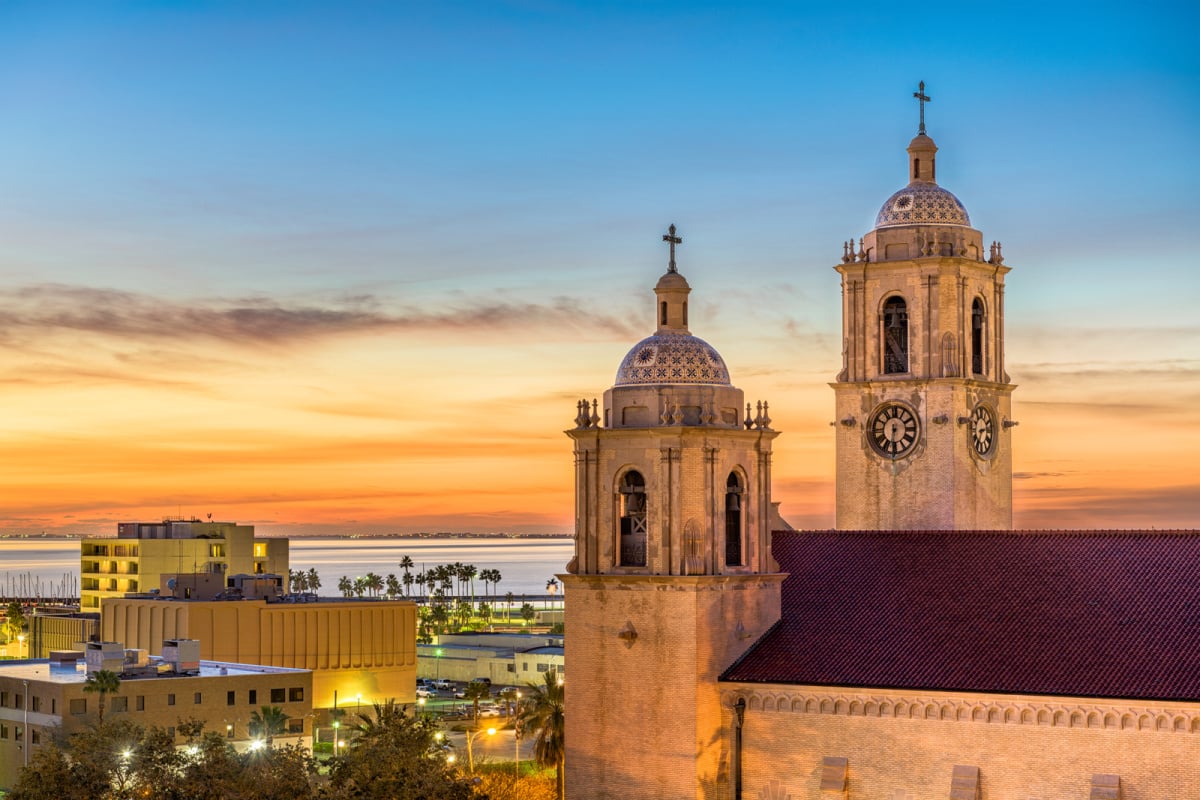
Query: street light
516, 721
21, 646
470, 741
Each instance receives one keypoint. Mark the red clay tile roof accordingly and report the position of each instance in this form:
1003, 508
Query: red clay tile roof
1080, 613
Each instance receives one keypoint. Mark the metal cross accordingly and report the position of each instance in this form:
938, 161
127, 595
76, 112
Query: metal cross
673, 240
922, 98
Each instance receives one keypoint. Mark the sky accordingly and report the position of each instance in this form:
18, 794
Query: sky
347, 267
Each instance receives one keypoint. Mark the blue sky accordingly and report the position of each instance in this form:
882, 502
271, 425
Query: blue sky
468, 199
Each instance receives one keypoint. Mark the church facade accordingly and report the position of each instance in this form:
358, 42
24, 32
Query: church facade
921, 650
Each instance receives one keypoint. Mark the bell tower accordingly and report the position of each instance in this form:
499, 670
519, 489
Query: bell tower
923, 400
672, 578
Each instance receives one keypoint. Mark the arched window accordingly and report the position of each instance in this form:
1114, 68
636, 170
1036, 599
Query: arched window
733, 521
978, 326
633, 520
916, 168
662, 314
895, 336
685, 313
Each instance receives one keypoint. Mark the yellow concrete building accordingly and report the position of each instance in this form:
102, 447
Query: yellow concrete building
921, 650
353, 647
142, 553
39, 696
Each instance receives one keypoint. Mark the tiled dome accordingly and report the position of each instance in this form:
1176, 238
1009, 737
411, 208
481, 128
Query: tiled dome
672, 358
922, 203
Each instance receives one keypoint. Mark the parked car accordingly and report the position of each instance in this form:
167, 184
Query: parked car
443, 685
423, 691
484, 681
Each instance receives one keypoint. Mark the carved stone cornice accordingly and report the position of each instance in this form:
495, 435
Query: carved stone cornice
1035, 710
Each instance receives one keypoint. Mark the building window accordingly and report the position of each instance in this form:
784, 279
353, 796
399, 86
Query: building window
633, 520
230, 698
119, 704
198, 698
895, 336
170, 699
3, 699
141, 702
662, 314
543, 667
18, 733
733, 521
3, 731
35, 736
260, 549
18, 702
78, 707
54, 705
228, 731
278, 696
524, 666
977, 328
254, 697
296, 695
296, 725
171, 731
36, 704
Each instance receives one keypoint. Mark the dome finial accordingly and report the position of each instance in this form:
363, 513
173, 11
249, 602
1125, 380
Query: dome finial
671, 238
922, 98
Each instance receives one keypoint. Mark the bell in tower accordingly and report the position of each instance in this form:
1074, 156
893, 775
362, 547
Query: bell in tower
673, 575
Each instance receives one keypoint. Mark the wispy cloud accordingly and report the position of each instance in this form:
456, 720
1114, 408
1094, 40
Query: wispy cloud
31, 312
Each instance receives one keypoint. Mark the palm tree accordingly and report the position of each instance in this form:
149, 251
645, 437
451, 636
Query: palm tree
476, 691
102, 682
509, 598
268, 724
314, 580
374, 583
406, 564
393, 586
528, 612
542, 714
345, 586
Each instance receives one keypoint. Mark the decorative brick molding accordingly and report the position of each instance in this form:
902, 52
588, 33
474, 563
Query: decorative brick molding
995, 710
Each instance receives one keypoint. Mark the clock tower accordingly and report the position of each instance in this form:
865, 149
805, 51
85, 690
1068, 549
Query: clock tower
923, 400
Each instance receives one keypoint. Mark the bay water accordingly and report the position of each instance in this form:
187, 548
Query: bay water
50, 567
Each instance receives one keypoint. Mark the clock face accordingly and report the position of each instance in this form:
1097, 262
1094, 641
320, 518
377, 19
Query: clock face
893, 430
983, 430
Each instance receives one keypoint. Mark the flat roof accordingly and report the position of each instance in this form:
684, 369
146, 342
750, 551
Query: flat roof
43, 670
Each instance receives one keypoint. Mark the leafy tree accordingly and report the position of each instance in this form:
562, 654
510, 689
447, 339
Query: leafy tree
528, 612
542, 715
14, 621
268, 723
462, 612
485, 612
102, 682
394, 758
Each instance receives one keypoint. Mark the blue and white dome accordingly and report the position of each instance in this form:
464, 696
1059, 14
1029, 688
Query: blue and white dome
922, 203
672, 358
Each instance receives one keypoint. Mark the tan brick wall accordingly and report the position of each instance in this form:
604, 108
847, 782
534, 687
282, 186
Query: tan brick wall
907, 744
644, 717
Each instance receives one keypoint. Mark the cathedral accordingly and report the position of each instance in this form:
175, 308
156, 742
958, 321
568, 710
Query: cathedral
923, 649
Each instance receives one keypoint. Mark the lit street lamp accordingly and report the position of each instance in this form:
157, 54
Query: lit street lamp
470, 741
